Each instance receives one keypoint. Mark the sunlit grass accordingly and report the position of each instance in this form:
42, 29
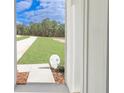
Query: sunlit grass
41, 50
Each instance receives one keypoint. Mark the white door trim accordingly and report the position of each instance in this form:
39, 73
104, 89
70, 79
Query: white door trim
91, 18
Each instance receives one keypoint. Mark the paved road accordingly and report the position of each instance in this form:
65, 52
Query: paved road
23, 45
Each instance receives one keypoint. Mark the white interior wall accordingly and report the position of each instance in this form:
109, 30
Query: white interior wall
15, 47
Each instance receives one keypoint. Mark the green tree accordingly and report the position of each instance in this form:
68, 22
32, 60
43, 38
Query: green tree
46, 28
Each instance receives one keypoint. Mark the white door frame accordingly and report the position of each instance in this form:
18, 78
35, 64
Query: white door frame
86, 67
87, 46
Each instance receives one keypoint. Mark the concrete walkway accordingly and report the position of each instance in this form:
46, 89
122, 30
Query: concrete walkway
59, 39
38, 73
23, 45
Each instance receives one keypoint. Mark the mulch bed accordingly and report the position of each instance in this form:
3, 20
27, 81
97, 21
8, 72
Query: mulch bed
58, 76
22, 78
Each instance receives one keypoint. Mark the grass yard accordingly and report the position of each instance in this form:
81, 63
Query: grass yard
41, 50
21, 37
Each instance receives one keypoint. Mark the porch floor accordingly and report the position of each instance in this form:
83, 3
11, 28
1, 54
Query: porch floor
41, 88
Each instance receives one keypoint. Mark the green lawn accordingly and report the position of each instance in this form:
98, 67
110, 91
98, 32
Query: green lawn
21, 38
41, 50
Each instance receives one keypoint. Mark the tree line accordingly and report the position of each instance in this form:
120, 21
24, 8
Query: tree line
46, 28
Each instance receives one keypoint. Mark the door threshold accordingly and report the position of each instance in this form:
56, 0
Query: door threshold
41, 88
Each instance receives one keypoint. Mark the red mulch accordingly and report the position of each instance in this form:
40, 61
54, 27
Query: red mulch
22, 78
58, 76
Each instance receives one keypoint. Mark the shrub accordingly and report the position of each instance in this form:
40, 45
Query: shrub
60, 68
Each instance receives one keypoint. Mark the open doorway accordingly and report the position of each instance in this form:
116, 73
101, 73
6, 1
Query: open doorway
86, 49
40, 28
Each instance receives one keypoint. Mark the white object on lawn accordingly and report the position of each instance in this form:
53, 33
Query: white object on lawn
54, 61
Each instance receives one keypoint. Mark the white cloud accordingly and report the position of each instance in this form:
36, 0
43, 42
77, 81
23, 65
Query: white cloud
53, 9
22, 5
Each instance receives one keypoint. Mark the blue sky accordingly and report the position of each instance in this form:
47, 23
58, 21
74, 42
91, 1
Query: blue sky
34, 11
